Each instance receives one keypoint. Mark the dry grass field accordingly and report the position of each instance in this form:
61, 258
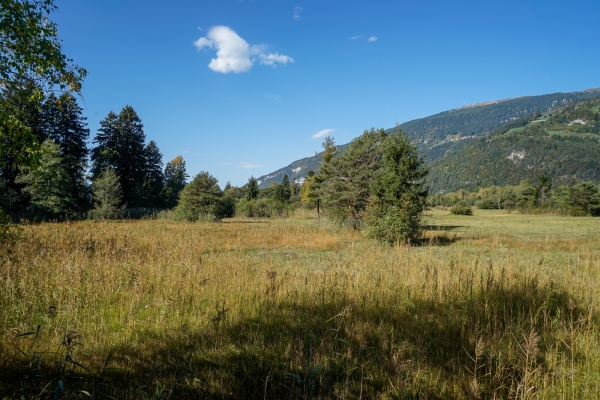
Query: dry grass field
495, 305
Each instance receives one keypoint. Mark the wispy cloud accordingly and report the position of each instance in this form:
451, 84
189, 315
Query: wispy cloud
274, 58
373, 39
247, 165
274, 97
234, 54
323, 133
356, 37
297, 11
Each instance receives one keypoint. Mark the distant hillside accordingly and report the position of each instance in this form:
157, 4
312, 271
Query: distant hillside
443, 134
564, 146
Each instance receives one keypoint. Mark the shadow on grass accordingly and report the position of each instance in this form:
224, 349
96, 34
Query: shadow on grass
400, 346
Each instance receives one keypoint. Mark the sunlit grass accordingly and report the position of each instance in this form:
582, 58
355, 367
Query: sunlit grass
495, 304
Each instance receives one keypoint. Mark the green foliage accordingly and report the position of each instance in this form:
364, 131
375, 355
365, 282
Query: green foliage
252, 188
47, 185
175, 180
308, 190
64, 124
200, 199
461, 208
266, 207
283, 192
31, 47
120, 145
398, 194
152, 186
579, 200
107, 196
345, 181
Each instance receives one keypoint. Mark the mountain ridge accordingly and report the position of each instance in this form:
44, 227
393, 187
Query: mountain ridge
443, 134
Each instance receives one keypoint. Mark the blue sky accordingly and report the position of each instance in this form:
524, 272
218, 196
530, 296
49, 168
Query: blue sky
286, 71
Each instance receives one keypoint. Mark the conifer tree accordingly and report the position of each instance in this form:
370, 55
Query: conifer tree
252, 188
175, 179
344, 182
283, 192
65, 125
153, 176
120, 145
47, 185
398, 194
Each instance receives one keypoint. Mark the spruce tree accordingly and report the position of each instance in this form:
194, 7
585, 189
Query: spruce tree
120, 145
252, 189
47, 185
66, 126
344, 182
153, 176
398, 194
175, 179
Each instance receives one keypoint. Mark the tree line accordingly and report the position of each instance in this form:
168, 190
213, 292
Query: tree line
44, 177
581, 199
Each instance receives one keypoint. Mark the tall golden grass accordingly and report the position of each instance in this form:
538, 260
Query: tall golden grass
492, 306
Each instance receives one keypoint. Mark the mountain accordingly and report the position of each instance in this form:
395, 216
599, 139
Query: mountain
564, 146
441, 135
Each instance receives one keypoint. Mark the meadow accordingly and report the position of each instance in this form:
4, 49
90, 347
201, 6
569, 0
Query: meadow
496, 305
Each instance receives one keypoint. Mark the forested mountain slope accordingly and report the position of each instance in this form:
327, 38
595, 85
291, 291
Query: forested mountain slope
443, 134
564, 146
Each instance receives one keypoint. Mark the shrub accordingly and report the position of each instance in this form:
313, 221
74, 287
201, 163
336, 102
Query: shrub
200, 199
461, 208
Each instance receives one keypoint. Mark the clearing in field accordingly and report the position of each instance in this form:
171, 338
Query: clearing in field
494, 305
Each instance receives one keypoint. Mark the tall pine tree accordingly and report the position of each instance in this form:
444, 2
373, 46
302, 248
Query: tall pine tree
121, 146
175, 179
66, 126
153, 176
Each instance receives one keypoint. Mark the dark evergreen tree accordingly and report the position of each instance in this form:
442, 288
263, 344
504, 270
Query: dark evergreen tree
120, 143
252, 188
153, 176
399, 196
105, 155
283, 192
344, 183
174, 181
66, 126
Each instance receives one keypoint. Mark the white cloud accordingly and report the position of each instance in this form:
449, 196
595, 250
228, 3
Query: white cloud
356, 37
373, 38
322, 133
247, 165
202, 43
297, 11
274, 58
234, 54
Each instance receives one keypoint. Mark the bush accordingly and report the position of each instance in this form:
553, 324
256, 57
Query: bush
200, 200
261, 208
461, 208
486, 204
